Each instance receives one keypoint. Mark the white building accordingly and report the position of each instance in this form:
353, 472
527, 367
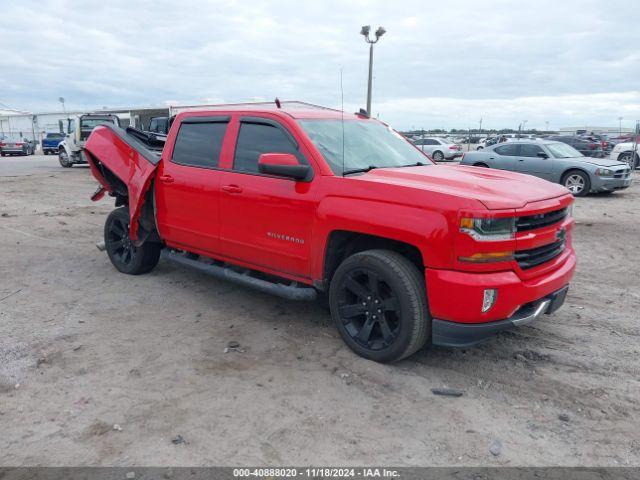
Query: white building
595, 130
18, 124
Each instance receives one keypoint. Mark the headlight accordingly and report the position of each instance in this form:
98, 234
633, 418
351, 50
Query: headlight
604, 172
489, 229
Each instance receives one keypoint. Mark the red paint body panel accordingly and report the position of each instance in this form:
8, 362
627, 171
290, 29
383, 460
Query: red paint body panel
457, 296
282, 227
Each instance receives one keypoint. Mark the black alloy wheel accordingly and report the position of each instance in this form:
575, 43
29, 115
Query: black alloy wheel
369, 309
378, 303
123, 253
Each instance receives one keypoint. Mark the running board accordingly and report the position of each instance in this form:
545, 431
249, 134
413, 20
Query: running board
290, 292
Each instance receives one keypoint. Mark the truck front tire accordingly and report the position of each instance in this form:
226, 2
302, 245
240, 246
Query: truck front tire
379, 305
124, 255
64, 159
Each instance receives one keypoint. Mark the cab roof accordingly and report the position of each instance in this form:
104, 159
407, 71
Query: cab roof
294, 109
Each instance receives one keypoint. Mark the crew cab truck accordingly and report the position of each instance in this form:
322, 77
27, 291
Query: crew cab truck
304, 202
77, 129
51, 143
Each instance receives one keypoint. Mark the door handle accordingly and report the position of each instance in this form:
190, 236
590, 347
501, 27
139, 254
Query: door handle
521, 159
166, 178
232, 189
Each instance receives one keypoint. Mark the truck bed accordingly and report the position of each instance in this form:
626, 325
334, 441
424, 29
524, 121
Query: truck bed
124, 161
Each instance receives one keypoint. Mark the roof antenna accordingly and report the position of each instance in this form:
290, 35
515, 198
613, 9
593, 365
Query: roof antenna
342, 118
278, 103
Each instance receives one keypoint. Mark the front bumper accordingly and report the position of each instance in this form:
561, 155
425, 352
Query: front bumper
457, 296
452, 334
604, 184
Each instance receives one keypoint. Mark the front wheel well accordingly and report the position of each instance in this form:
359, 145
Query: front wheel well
572, 169
629, 152
343, 244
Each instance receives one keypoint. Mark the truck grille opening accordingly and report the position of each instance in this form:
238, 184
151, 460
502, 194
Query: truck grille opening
539, 255
531, 222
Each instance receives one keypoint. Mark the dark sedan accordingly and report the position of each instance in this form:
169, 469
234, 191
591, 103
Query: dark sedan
587, 147
17, 147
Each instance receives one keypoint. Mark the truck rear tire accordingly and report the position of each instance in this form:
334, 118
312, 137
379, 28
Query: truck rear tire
124, 255
379, 305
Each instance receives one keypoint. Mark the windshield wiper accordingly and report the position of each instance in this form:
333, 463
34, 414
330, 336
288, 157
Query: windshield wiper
417, 164
359, 170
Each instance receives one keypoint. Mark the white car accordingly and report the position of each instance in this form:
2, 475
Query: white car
439, 149
623, 152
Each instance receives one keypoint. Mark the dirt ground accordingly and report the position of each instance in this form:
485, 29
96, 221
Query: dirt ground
100, 368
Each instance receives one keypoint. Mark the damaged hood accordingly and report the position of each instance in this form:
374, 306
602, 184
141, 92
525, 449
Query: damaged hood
495, 189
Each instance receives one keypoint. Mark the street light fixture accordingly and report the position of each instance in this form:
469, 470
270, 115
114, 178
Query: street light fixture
61, 100
364, 31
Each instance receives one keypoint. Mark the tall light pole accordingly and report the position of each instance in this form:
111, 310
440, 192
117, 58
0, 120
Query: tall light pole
365, 33
546, 123
61, 100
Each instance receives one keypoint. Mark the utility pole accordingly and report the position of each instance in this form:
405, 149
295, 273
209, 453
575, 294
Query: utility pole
365, 33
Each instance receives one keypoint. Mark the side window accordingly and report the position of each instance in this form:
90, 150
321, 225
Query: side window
199, 144
254, 139
530, 150
510, 149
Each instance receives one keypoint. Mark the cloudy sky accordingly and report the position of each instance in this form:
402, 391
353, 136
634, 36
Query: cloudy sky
441, 64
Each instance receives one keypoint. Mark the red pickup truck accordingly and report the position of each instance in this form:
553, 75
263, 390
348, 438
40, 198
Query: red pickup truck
304, 201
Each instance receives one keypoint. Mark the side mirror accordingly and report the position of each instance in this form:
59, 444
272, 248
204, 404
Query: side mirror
542, 155
283, 165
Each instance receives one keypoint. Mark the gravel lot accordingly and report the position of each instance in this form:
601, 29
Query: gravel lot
84, 348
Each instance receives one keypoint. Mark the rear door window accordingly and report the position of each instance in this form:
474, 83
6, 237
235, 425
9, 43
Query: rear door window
511, 149
199, 144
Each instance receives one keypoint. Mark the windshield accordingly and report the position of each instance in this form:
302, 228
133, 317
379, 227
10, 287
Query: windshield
87, 123
55, 135
367, 143
562, 150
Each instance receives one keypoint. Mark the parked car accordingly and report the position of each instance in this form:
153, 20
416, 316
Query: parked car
51, 142
487, 142
556, 162
78, 128
304, 201
588, 148
624, 152
17, 147
604, 141
439, 149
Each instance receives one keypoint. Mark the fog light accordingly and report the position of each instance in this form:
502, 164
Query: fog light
490, 295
